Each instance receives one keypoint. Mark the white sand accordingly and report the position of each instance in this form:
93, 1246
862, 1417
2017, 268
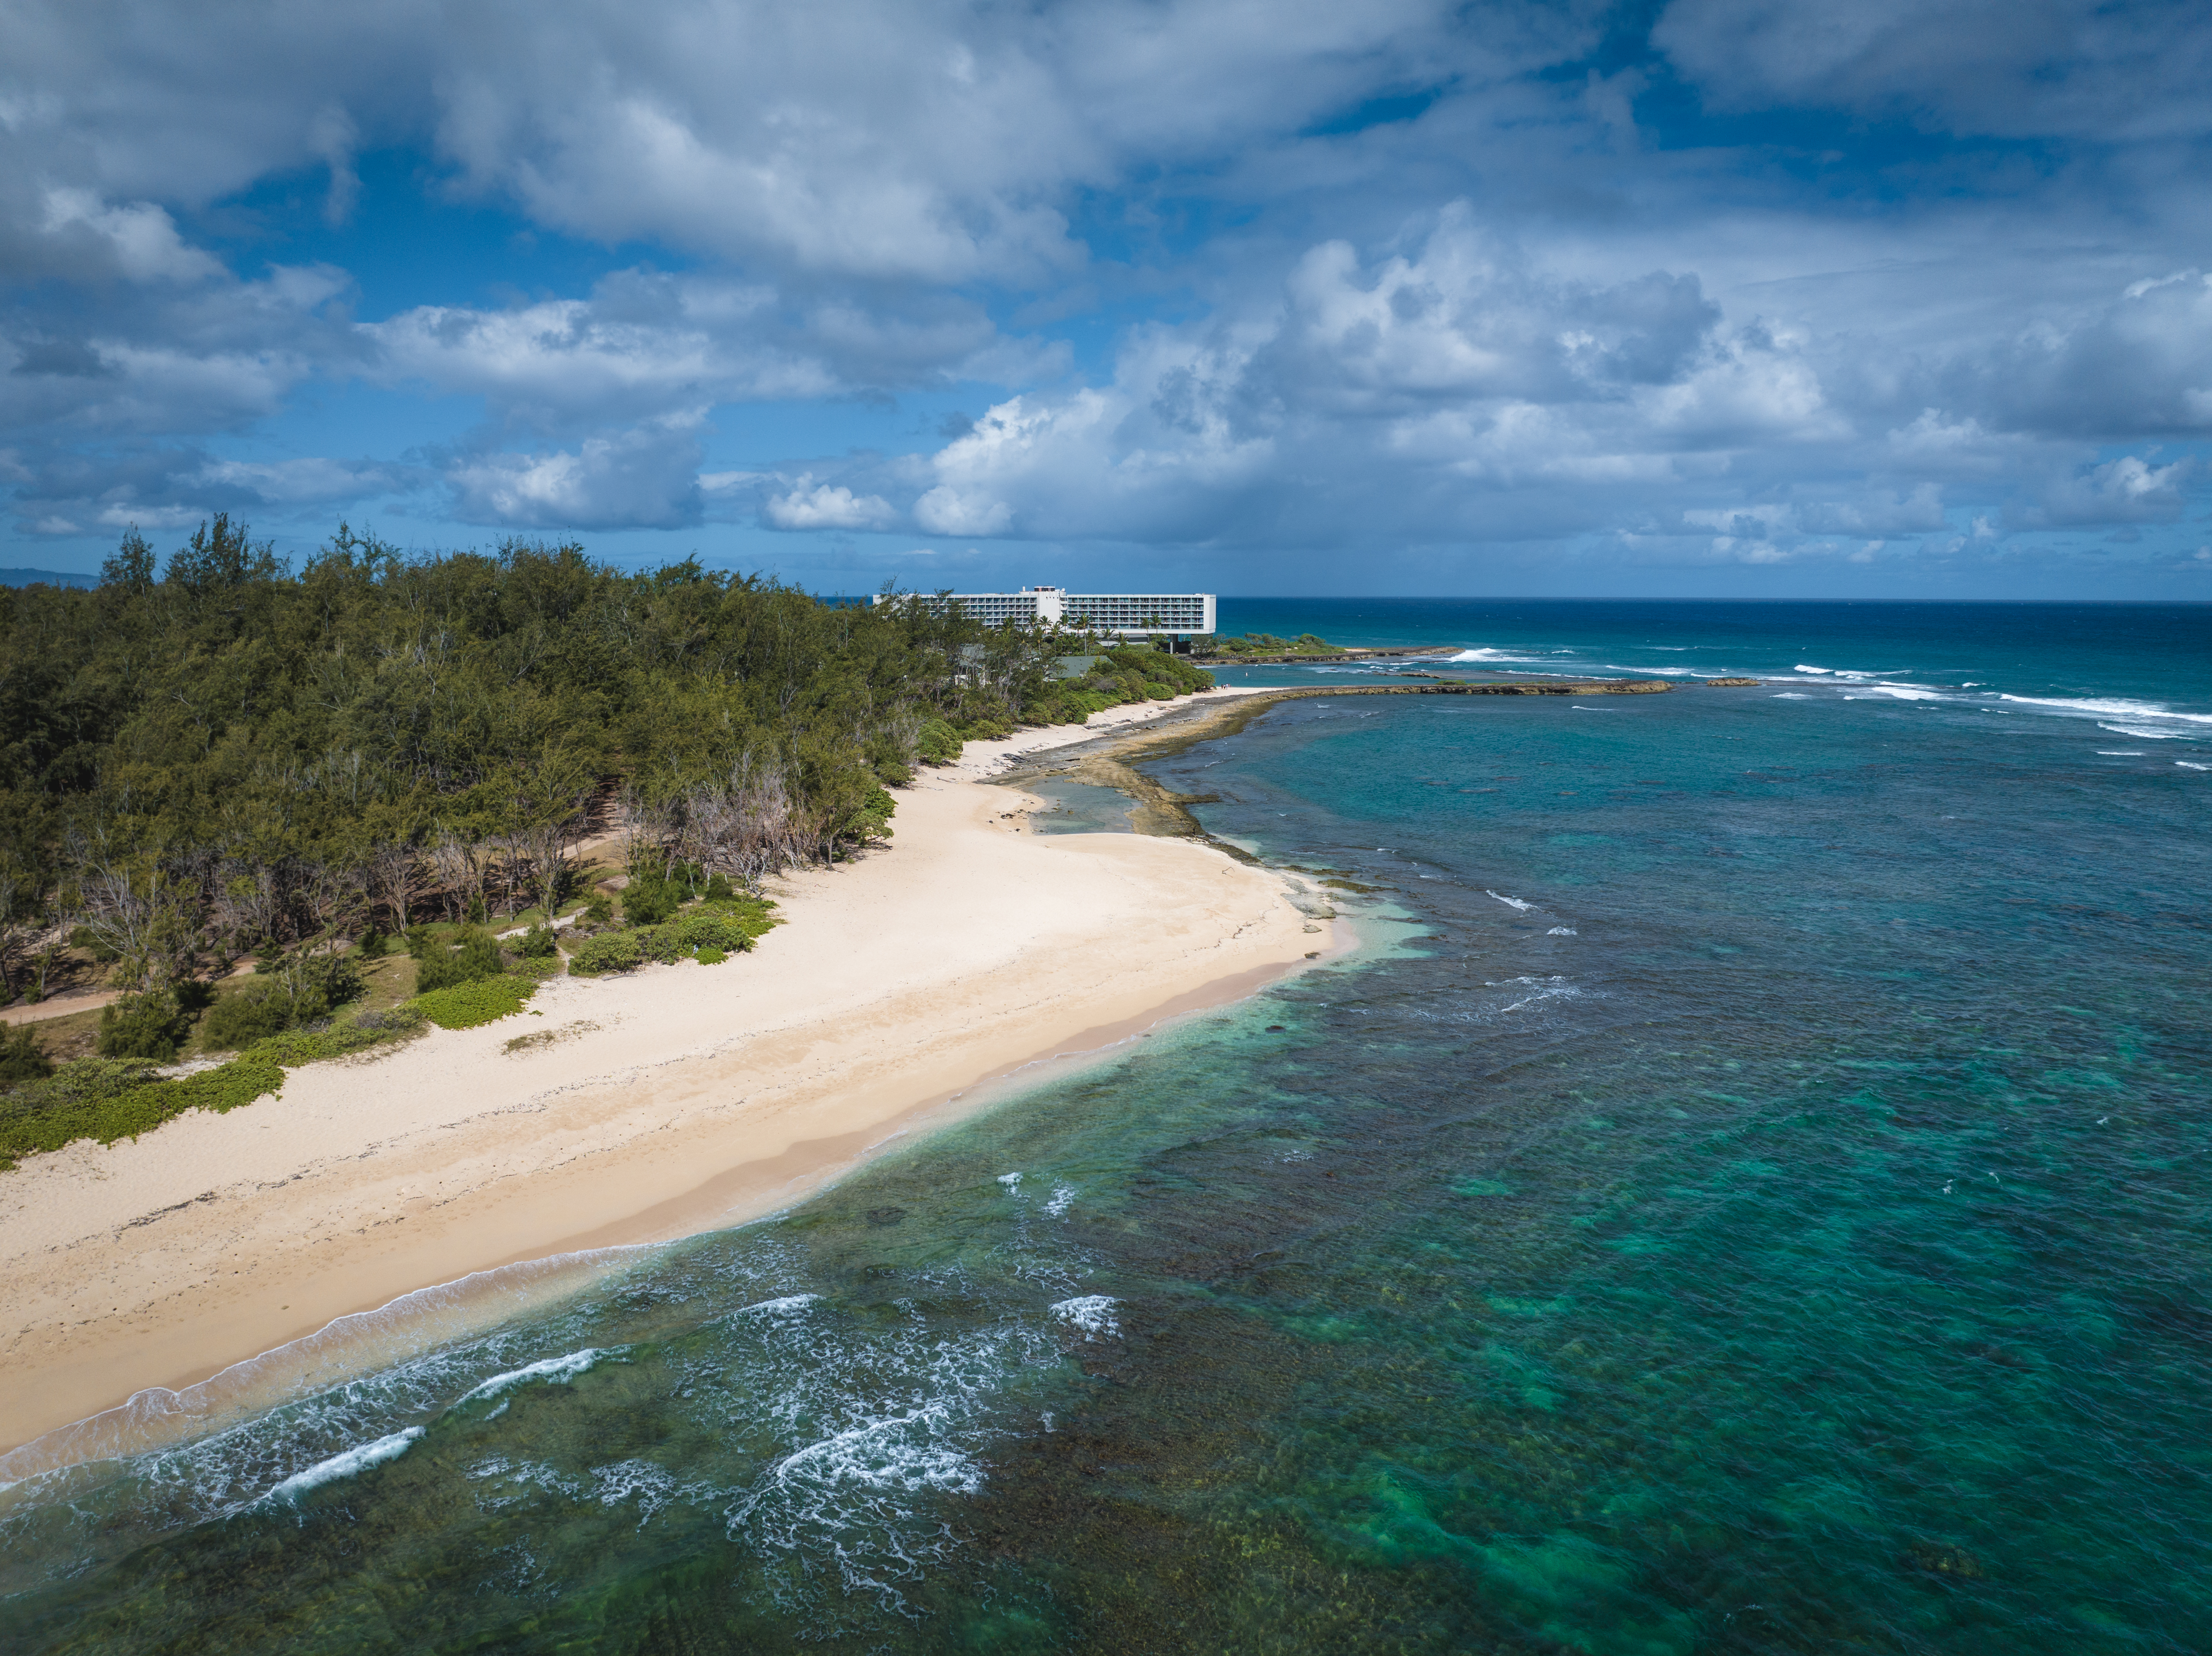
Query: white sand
704, 1095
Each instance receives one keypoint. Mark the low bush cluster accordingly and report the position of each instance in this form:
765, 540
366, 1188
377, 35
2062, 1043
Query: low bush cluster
724, 928
1123, 674
479, 1001
108, 1099
1305, 644
472, 955
293, 1047
153, 1025
287, 992
21, 1058
938, 743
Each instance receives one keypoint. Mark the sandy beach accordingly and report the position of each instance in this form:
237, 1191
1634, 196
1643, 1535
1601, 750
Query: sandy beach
672, 1099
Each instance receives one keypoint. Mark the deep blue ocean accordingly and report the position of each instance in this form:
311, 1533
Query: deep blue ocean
1748, 1192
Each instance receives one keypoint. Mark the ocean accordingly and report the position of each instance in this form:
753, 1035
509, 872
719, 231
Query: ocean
1748, 1192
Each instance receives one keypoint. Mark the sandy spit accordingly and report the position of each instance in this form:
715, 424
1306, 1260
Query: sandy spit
677, 1099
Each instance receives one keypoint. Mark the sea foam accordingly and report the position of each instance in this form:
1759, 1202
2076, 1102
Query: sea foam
2107, 708
1091, 1312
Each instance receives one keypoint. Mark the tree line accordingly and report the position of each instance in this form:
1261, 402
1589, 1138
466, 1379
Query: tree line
215, 755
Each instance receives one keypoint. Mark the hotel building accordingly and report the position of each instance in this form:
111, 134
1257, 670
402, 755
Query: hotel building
1131, 615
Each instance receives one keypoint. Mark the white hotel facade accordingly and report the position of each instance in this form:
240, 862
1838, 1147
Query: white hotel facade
1134, 615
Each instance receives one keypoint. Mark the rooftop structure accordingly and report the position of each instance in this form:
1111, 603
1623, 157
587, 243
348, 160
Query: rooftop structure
1131, 615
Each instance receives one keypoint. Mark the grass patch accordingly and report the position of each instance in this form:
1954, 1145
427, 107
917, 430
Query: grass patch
74, 1036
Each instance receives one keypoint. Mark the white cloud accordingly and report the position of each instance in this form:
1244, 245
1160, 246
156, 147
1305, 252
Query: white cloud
138, 237
945, 510
290, 482
866, 138
2128, 490
1448, 388
641, 479
827, 506
1213, 293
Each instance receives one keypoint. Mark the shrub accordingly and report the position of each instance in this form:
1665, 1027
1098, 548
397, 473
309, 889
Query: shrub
21, 1058
939, 743
373, 945
718, 890
319, 984
253, 1013
479, 1001
710, 930
296, 1047
539, 941
710, 956
611, 951
152, 1025
649, 902
296, 989
443, 968
598, 911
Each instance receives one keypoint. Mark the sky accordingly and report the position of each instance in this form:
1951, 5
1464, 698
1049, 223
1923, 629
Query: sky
1747, 297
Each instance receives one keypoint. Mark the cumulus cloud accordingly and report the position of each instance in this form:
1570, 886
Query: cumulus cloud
1448, 388
641, 479
861, 137
2128, 490
1412, 273
825, 505
2139, 364
137, 241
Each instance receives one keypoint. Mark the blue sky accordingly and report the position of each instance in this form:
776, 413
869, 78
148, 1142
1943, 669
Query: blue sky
1711, 297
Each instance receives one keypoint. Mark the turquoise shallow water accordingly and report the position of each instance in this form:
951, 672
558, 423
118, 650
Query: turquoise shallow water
1753, 1198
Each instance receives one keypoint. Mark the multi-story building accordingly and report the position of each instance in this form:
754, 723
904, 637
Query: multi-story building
1134, 615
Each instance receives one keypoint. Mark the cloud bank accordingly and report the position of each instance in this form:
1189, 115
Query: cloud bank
1738, 284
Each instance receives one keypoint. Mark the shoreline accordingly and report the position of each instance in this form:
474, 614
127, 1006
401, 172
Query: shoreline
680, 1099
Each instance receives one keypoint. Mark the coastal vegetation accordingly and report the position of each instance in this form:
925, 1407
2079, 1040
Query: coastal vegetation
220, 757
1266, 644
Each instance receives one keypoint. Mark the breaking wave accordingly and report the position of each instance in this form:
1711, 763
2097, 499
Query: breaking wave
351, 1463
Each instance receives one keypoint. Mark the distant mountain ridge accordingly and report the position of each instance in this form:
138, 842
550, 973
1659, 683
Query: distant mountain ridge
51, 577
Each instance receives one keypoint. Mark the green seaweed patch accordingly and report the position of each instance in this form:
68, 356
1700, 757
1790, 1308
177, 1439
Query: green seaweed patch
470, 1005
